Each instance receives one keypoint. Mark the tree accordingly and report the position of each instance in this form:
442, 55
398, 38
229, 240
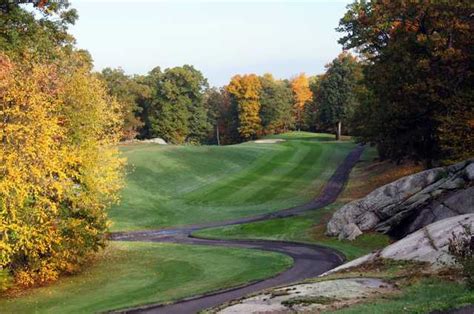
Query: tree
302, 95
276, 100
419, 72
176, 110
223, 115
44, 36
311, 111
59, 168
127, 91
245, 92
337, 95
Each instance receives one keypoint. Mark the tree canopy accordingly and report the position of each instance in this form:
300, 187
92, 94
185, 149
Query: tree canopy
419, 75
59, 168
245, 92
301, 95
276, 101
336, 91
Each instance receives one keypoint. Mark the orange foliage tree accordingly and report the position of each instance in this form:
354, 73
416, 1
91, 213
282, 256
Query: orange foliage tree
245, 91
302, 95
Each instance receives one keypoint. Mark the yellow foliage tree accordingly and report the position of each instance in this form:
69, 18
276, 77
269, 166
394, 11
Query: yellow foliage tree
59, 169
245, 91
302, 95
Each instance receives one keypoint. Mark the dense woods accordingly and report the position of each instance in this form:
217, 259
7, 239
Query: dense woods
403, 83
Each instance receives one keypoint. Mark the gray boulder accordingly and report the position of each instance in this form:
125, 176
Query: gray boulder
156, 140
409, 203
429, 244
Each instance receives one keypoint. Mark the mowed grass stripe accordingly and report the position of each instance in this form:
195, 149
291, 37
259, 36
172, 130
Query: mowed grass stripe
277, 184
229, 190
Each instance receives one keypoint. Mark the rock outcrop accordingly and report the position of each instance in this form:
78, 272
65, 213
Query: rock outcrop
429, 244
408, 204
311, 297
156, 140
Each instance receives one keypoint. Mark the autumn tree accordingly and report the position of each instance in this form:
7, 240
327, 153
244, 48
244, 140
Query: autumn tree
419, 57
301, 95
337, 91
276, 100
245, 92
59, 170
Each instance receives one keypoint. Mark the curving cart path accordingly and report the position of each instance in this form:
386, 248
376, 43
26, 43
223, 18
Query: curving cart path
309, 260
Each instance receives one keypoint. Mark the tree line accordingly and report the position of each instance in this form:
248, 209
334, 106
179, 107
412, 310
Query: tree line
178, 105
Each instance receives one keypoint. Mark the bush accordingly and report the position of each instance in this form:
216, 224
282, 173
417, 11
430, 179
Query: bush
461, 248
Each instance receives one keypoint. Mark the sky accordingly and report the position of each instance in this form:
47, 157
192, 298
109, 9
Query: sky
220, 38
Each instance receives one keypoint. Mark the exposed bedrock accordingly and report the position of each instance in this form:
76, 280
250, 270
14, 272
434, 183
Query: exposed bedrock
408, 204
429, 244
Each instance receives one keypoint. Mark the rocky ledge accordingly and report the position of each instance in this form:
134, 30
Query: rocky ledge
310, 297
408, 204
429, 244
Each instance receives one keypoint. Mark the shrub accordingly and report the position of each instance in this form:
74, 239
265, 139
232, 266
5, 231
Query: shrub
461, 248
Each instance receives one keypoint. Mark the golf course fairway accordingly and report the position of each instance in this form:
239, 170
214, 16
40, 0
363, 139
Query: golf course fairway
169, 186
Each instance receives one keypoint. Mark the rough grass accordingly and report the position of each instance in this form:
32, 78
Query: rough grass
180, 185
421, 289
422, 297
134, 273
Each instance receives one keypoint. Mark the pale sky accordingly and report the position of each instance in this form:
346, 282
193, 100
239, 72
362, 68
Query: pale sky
220, 38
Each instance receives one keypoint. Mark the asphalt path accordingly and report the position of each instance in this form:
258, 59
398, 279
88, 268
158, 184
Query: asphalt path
309, 260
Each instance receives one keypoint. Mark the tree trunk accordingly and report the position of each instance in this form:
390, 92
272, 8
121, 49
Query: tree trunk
299, 120
338, 130
217, 134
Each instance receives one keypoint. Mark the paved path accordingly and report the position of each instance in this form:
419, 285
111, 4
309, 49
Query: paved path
309, 260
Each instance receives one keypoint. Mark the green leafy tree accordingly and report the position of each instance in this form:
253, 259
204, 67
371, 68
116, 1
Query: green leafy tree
336, 95
276, 99
43, 36
223, 116
127, 91
176, 110
311, 111
419, 72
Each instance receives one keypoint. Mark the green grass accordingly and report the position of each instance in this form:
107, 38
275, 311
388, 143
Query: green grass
137, 273
180, 185
423, 297
299, 229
